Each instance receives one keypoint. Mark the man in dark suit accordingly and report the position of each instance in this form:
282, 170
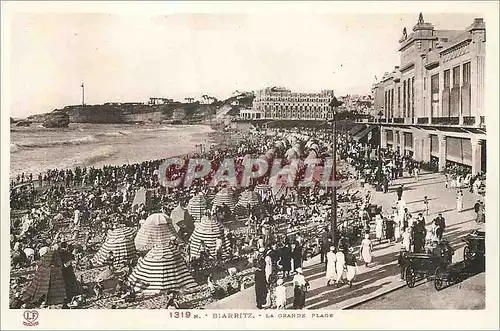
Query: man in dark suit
400, 192
440, 222
326, 242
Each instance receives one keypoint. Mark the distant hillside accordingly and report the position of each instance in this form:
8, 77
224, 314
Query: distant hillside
115, 113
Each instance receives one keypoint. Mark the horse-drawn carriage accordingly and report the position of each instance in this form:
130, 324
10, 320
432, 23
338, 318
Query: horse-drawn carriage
475, 247
472, 263
436, 263
430, 264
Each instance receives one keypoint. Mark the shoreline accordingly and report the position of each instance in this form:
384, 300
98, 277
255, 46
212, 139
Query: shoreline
215, 138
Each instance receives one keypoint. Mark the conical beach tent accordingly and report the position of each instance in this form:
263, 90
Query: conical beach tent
120, 241
250, 197
224, 196
207, 232
162, 269
157, 228
197, 207
48, 281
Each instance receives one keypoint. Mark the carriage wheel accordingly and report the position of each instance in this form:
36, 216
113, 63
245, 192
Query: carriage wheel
438, 280
410, 277
467, 253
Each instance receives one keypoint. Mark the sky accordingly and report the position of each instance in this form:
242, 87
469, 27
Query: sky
124, 58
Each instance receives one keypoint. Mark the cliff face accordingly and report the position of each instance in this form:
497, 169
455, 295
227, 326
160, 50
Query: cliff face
56, 119
116, 113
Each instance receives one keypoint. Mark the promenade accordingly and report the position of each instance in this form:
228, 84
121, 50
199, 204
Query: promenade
382, 275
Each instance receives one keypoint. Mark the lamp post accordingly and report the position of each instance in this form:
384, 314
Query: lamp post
334, 105
380, 114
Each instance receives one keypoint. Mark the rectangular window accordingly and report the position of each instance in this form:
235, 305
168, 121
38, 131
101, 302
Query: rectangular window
435, 83
456, 76
404, 99
435, 95
408, 106
447, 79
399, 101
392, 103
413, 97
466, 73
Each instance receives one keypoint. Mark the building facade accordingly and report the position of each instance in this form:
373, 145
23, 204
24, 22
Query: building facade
279, 103
431, 105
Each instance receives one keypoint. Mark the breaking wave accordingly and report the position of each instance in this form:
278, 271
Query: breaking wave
14, 147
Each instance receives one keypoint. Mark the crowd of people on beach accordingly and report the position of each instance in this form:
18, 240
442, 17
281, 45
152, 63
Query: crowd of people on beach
72, 210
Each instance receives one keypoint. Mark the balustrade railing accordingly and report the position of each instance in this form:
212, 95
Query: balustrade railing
445, 120
469, 120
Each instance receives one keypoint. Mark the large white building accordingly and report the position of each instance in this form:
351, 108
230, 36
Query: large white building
432, 103
279, 103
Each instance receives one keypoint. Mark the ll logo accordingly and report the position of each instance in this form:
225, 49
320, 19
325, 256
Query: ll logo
30, 317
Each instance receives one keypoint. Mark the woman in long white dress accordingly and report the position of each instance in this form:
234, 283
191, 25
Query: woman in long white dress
351, 266
331, 259
407, 239
340, 264
269, 267
379, 226
397, 231
460, 202
366, 250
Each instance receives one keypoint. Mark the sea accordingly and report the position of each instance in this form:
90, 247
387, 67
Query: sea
36, 149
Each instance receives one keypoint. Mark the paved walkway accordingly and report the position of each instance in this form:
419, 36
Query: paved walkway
383, 274
469, 294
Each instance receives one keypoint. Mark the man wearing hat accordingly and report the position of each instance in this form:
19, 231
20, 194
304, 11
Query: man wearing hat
419, 233
260, 282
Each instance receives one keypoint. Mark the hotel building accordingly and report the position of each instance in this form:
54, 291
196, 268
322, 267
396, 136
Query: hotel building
431, 106
278, 103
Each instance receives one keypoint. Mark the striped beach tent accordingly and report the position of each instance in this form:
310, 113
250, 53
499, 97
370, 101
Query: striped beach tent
49, 281
197, 206
224, 196
250, 197
162, 269
247, 197
157, 228
120, 241
206, 233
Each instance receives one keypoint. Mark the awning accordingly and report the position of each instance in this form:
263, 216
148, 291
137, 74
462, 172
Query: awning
357, 128
360, 135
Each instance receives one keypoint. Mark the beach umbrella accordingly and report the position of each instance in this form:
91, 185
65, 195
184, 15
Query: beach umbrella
157, 228
197, 206
162, 269
181, 218
205, 233
224, 196
120, 241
